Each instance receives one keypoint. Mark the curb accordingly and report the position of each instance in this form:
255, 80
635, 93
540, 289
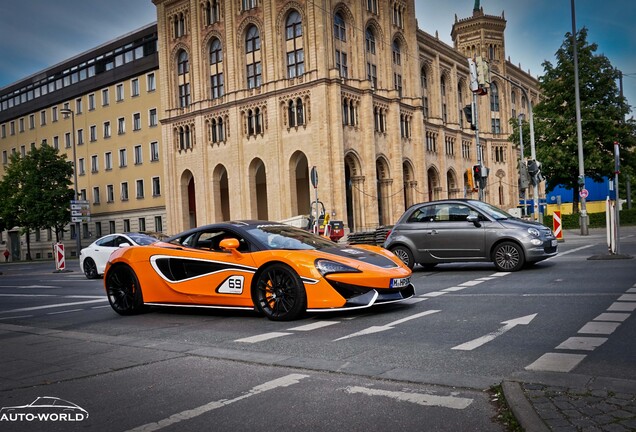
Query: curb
522, 409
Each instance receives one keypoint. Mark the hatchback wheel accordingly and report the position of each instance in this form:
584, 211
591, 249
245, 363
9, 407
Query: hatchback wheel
405, 255
508, 257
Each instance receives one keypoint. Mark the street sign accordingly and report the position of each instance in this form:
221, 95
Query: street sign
583, 193
80, 211
314, 177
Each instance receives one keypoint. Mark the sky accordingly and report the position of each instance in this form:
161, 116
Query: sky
37, 34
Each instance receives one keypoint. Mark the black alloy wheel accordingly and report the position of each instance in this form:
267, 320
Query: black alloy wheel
279, 293
123, 290
90, 269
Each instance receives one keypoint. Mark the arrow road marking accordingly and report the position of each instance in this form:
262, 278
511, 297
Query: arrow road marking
389, 326
508, 325
453, 402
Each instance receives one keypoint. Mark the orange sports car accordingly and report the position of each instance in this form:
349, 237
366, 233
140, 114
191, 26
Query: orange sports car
279, 270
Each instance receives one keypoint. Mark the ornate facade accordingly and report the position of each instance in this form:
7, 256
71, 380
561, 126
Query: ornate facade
256, 92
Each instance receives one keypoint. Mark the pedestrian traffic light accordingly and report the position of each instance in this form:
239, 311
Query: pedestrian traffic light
477, 172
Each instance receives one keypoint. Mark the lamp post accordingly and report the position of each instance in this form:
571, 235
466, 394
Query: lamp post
66, 112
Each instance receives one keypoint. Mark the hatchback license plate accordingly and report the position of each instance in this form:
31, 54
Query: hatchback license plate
401, 282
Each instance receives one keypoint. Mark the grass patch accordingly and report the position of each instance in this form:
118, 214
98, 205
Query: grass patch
504, 413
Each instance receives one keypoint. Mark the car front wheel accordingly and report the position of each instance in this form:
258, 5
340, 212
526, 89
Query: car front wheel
123, 290
90, 269
405, 255
508, 257
279, 293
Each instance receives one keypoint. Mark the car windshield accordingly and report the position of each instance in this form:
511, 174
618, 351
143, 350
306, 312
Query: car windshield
288, 237
492, 211
142, 239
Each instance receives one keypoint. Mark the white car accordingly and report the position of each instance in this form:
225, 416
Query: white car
94, 257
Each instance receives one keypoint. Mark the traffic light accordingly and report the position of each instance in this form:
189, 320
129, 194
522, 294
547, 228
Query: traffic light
524, 179
472, 67
534, 171
470, 181
483, 73
481, 175
468, 112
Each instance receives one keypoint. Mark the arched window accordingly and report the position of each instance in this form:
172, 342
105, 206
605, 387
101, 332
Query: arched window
397, 56
369, 40
339, 27
253, 57
494, 97
294, 45
212, 11
183, 70
300, 112
216, 69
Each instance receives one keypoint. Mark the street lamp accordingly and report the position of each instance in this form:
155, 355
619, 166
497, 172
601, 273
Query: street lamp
66, 112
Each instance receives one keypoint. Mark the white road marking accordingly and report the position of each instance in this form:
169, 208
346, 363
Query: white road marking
29, 286
414, 300
499, 274
570, 251
452, 402
453, 289
16, 317
471, 283
556, 362
508, 325
377, 329
314, 326
582, 343
622, 307
57, 305
65, 311
596, 327
609, 316
631, 290
262, 337
433, 294
28, 295
285, 381
627, 297
485, 278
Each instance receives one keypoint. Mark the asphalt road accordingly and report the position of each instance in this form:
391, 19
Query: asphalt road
425, 365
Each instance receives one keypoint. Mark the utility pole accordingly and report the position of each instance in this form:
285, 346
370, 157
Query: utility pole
579, 130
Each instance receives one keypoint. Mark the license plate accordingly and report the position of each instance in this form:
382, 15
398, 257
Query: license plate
554, 243
400, 282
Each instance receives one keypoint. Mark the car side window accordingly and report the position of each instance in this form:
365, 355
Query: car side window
452, 212
211, 240
422, 214
119, 240
107, 242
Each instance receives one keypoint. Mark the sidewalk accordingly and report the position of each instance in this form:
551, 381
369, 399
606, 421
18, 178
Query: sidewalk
553, 401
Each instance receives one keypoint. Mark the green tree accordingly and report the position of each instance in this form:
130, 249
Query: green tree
36, 192
603, 112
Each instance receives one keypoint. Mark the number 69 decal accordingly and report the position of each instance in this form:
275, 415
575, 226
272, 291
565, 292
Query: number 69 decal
232, 285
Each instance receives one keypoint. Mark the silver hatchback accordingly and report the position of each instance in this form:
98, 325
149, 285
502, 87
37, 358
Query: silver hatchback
468, 230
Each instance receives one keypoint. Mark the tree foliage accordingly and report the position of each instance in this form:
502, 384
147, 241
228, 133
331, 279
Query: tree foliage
603, 112
35, 191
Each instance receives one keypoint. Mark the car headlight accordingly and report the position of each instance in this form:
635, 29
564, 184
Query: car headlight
534, 232
326, 267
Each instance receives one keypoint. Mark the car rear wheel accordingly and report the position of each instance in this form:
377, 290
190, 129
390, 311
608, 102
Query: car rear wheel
405, 255
123, 290
90, 269
279, 293
508, 257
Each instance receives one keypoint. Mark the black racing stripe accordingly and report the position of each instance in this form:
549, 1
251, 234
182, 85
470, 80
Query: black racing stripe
362, 255
178, 269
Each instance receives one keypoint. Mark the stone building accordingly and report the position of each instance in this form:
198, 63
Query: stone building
256, 92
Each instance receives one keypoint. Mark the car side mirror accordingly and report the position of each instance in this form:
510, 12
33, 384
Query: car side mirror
232, 245
121, 245
474, 219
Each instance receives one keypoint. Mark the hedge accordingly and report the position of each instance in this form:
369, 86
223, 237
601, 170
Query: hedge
596, 220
